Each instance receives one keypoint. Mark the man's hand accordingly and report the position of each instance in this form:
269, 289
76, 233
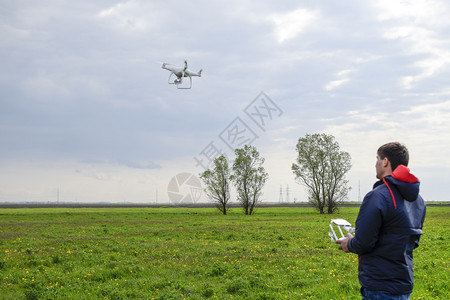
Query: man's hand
343, 243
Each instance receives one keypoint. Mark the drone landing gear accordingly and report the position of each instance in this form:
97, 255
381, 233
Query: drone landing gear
179, 81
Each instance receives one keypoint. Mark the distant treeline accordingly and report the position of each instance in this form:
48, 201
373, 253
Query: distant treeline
185, 205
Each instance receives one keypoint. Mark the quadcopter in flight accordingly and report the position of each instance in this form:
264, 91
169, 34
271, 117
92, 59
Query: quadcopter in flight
180, 73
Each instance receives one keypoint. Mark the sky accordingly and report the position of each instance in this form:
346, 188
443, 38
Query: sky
87, 114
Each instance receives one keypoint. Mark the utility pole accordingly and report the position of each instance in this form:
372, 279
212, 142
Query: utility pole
359, 190
281, 195
287, 194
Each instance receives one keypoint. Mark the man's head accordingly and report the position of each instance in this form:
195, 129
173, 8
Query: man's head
389, 157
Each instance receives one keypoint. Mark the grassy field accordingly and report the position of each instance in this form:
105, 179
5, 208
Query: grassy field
193, 253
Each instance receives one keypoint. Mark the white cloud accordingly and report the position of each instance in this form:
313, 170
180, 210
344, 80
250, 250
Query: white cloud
343, 78
289, 25
129, 16
418, 127
421, 41
434, 116
334, 84
418, 24
424, 129
432, 12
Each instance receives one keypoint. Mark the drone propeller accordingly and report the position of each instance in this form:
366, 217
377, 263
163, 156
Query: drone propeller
161, 63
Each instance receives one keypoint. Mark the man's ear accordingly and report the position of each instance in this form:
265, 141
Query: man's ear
386, 162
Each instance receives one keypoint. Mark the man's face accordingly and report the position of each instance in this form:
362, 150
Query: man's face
379, 167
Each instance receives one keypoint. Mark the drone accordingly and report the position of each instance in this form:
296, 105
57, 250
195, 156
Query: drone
180, 73
340, 223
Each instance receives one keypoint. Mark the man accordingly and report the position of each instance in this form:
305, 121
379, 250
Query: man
388, 228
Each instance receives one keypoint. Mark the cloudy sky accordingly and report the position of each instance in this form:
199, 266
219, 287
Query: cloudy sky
87, 114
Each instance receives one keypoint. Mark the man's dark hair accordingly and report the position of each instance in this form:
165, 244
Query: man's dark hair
395, 152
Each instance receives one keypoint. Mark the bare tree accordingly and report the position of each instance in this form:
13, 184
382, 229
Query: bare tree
249, 177
217, 183
321, 168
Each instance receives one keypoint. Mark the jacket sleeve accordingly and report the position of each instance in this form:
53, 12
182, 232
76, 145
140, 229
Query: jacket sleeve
368, 224
416, 244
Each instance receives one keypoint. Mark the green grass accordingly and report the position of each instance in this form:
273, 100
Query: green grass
177, 253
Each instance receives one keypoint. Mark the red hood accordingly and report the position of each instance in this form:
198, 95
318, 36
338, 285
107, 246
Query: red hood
406, 183
402, 173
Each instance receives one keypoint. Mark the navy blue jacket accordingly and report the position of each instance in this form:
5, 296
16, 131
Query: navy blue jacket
388, 229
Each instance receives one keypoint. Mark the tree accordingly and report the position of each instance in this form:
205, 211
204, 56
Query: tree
321, 168
217, 183
249, 177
